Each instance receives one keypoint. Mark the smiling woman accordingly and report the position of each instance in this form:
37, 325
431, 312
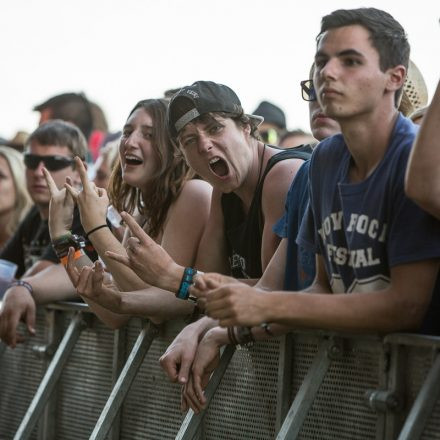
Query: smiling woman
152, 182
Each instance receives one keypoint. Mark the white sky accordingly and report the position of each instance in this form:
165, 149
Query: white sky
119, 52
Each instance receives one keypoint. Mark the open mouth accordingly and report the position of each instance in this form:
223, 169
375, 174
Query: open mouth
219, 167
133, 160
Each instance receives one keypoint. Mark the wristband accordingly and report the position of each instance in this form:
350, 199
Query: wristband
245, 337
186, 283
61, 239
95, 229
78, 254
231, 336
24, 284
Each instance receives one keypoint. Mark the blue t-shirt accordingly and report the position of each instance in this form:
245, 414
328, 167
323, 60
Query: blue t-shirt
363, 229
300, 263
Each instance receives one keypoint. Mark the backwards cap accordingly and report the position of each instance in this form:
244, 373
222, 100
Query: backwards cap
198, 99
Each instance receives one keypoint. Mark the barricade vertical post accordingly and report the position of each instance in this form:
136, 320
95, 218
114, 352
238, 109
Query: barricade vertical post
285, 365
51, 377
306, 393
396, 383
123, 384
119, 355
53, 323
423, 405
192, 421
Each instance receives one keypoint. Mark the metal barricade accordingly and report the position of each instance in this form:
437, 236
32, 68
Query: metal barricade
306, 385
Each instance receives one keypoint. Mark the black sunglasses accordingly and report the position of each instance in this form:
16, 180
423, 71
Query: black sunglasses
52, 163
308, 92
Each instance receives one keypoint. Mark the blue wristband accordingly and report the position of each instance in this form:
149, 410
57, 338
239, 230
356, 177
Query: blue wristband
186, 283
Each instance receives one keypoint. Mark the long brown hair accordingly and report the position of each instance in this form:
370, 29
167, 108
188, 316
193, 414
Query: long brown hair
168, 182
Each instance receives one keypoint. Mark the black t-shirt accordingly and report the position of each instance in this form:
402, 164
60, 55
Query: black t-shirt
31, 242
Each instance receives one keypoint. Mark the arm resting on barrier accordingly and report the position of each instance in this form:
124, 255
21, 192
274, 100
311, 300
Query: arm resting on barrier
400, 306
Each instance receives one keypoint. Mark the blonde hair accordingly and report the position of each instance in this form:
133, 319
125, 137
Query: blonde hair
22, 200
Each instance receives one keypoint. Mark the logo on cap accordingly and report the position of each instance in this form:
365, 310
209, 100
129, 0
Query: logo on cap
194, 94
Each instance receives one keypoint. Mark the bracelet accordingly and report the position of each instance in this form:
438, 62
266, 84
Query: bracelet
95, 229
24, 284
77, 255
186, 283
61, 239
231, 336
245, 337
266, 327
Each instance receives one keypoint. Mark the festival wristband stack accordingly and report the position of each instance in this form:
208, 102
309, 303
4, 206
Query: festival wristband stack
186, 283
62, 244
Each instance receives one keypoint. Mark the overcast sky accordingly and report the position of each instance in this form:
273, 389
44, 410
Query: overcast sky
119, 52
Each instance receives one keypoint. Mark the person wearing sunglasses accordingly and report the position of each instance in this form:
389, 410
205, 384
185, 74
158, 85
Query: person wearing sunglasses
40, 278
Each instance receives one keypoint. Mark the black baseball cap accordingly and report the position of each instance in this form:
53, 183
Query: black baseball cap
200, 98
271, 113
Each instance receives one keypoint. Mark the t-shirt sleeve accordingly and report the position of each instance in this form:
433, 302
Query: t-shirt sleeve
307, 236
13, 251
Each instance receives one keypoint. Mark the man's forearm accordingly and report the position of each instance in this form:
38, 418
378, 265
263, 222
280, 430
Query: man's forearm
51, 284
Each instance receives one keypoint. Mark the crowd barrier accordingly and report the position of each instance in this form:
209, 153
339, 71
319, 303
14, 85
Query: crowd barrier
76, 380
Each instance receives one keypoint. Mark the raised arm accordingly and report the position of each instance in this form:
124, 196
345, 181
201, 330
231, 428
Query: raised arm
422, 183
93, 203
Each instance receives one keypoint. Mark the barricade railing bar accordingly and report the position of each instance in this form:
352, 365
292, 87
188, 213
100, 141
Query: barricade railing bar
309, 384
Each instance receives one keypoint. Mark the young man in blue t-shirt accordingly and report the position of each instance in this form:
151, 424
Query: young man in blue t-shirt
377, 253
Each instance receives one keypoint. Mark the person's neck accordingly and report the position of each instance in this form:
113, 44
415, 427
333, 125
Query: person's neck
44, 211
259, 157
367, 139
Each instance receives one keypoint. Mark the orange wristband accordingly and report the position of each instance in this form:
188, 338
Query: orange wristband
78, 254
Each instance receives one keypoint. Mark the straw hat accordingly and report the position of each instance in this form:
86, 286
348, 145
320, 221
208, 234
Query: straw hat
415, 93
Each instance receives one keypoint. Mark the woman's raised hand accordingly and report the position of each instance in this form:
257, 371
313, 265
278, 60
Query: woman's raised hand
91, 200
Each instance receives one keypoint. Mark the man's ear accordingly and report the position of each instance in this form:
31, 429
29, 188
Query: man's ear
396, 77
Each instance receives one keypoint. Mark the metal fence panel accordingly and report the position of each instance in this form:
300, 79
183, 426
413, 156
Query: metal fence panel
20, 375
339, 410
85, 383
244, 406
152, 407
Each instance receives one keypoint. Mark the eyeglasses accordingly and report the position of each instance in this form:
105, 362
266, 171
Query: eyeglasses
52, 163
270, 136
308, 92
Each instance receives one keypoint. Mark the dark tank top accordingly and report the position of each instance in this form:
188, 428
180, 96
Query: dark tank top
244, 232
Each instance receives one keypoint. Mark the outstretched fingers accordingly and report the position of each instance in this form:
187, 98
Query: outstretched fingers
53, 189
119, 258
71, 269
136, 230
86, 183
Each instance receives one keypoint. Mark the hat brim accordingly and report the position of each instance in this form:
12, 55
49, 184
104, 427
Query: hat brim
256, 118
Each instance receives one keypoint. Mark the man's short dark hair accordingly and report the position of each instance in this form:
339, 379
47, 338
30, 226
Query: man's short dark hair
72, 107
61, 134
387, 35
